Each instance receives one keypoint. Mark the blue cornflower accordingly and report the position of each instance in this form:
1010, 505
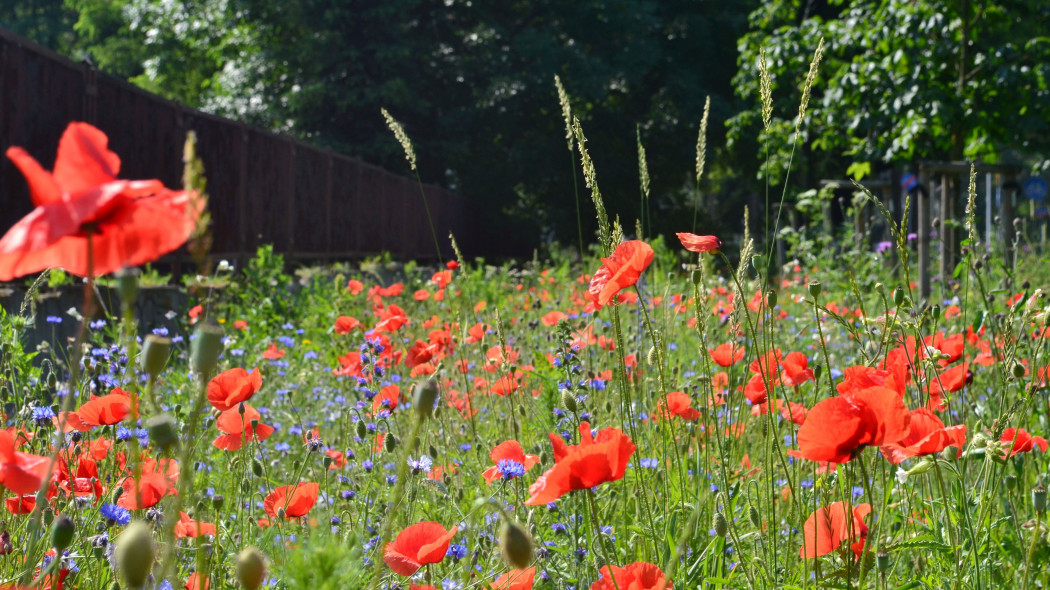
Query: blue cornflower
422, 465
456, 551
54, 319
560, 528
161, 331
115, 513
43, 414
509, 468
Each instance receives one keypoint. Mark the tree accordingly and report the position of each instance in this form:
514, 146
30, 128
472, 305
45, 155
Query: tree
901, 80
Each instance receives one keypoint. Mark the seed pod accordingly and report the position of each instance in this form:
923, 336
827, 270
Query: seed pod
217, 501
568, 399
814, 289
62, 533
771, 298
898, 296
206, 348
426, 395
720, 524
1011, 481
882, 561
251, 568
134, 553
162, 431
1018, 370
516, 545
696, 276
155, 352
128, 285
1039, 498
326, 461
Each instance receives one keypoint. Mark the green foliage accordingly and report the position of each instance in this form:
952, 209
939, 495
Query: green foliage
334, 565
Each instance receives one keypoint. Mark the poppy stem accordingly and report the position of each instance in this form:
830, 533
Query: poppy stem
1036, 532
609, 555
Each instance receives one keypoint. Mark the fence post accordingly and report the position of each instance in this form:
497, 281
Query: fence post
290, 195
242, 196
922, 236
328, 206
946, 229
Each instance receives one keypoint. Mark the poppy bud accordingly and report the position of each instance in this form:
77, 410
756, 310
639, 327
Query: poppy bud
1039, 497
756, 518
818, 370
516, 545
720, 524
880, 288
426, 395
257, 468
62, 533
882, 561
206, 348
114, 496
251, 568
433, 452
898, 296
362, 431
1018, 370
922, 467
771, 298
52, 380
162, 431
1011, 482
128, 285
134, 553
281, 513
390, 443
814, 289
949, 453
568, 399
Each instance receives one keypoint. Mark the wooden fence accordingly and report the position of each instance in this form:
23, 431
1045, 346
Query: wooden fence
264, 188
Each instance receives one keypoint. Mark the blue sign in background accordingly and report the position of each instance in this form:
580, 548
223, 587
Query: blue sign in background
1035, 188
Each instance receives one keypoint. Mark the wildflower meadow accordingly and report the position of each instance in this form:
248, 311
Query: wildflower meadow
662, 413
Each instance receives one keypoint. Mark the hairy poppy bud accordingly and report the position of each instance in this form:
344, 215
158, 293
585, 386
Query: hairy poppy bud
134, 553
362, 430
62, 533
1039, 498
898, 296
206, 348
162, 431
950, 453
251, 568
756, 518
568, 399
426, 395
257, 468
720, 524
1011, 482
696, 276
1018, 370
516, 545
389, 443
880, 288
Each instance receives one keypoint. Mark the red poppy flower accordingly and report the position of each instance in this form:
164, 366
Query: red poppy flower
391, 318
1022, 441
755, 390
509, 450
838, 427
229, 388
197, 582
145, 492
20, 472
789, 410
695, 243
619, 271
349, 365
354, 286
420, 353
195, 312
236, 428
515, 580
273, 353
636, 576
240, 325
827, 528
346, 324
130, 222
416, 546
388, 398
594, 461
796, 369
676, 403
106, 410
452, 265
297, 500
552, 318
726, 355
21, 504
926, 435
187, 527
949, 381
862, 377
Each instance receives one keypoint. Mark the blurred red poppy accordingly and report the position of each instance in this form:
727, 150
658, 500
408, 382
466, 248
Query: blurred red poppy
418, 545
515, 580
106, 410
838, 427
387, 399
1022, 441
187, 527
594, 461
827, 528
346, 324
145, 492
296, 500
636, 576
676, 403
273, 353
229, 388
796, 369
619, 271
236, 428
926, 435
509, 450
197, 582
130, 222
726, 355
695, 243
20, 472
